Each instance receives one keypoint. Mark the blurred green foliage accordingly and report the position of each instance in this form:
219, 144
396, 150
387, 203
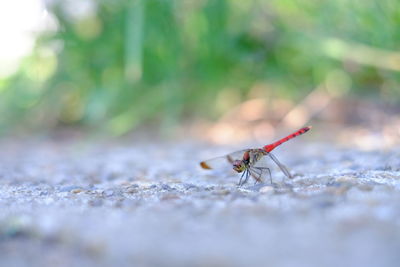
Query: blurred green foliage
117, 64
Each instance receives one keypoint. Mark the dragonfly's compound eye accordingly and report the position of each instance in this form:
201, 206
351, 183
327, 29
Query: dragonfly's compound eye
239, 166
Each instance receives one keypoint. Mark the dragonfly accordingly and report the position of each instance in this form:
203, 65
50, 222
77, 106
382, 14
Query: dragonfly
251, 162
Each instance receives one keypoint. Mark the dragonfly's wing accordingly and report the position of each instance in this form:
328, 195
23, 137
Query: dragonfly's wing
280, 165
224, 161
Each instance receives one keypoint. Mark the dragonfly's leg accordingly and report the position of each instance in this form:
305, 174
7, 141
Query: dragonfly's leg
270, 176
280, 165
268, 170
241, 177
258, 179
247, 177
256, 171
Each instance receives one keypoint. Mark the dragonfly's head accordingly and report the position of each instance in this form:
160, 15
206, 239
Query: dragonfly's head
239, 166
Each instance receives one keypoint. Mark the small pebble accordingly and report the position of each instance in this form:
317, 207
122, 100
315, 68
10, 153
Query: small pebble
69, 188
44, 193
108, 193
153, 186
189, 186
132, 190
267, 190
76, 191
166, 187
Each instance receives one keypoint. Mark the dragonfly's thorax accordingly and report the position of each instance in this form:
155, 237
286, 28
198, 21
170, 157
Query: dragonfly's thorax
250, 158
255, 155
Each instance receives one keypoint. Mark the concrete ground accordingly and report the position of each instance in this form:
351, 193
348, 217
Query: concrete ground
149, 204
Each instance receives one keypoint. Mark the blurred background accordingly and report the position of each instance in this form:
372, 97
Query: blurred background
225, 70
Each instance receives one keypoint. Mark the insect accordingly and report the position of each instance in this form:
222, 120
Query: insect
249, 162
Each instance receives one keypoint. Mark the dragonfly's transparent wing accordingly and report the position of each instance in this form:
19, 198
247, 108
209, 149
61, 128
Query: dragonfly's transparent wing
224, 161
280, 165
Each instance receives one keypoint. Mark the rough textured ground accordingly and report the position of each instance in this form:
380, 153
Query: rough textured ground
143, 204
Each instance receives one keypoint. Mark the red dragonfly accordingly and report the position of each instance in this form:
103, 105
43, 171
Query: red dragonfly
249, 162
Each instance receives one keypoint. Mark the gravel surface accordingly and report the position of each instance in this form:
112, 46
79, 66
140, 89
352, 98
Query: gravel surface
143, 204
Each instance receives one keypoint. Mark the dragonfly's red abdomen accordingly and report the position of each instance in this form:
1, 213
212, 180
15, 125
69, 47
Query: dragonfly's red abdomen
272, 146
